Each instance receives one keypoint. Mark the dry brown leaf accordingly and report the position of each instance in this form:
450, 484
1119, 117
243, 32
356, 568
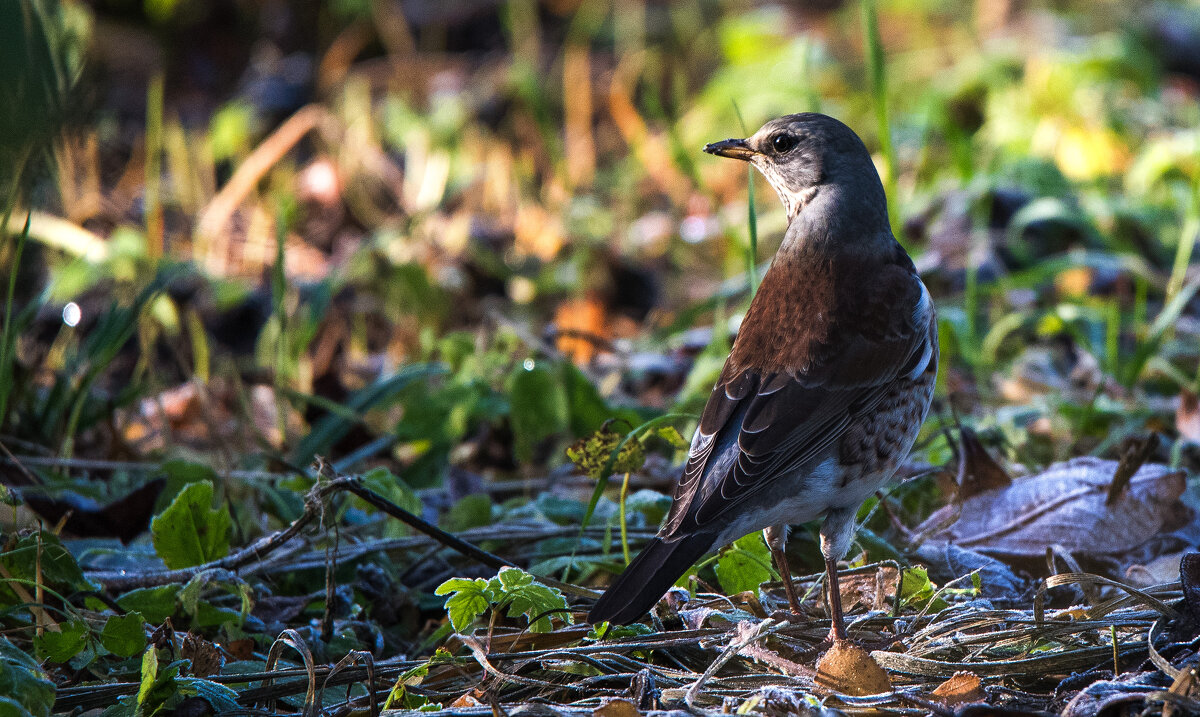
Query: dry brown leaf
1064, 506
961, 688
851, 670
872, 591
206, 658
1163, 569
617, 707
241, 649
977, 470
466, 700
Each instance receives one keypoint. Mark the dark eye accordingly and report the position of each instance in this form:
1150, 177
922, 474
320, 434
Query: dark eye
783, 142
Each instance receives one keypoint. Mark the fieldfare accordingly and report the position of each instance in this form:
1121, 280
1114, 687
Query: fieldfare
828, 383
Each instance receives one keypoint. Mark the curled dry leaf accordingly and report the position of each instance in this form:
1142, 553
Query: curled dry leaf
850, 670
977, 470
617, 707
1064, 506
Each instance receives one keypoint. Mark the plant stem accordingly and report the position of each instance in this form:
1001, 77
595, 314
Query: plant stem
877, 68
624, 536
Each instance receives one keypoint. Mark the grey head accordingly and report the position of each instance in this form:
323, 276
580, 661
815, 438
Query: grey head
807, 155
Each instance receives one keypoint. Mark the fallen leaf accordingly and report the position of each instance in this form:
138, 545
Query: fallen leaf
1064, 506
977, 470
465, 700
1163, 569
240, 649
872, 591
961, 688
850, 670
617, 707
206, 658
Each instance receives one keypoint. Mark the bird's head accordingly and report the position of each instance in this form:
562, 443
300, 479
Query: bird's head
803, 153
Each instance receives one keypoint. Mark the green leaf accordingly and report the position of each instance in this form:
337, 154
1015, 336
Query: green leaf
468, 600
149, 675
471, 511
392, 487
616, 632
223, 699
63, 645
27, 688
917, 589
181, 473
524, 595
538, 407
155, 604
513, 588
745, 565
123, 635
587, 408
650, 503
190, 531
332, 427
400, 698
56, 569
671, 435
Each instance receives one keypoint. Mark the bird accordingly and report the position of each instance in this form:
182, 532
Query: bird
826, 386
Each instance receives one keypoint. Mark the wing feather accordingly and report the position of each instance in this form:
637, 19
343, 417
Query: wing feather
758, 424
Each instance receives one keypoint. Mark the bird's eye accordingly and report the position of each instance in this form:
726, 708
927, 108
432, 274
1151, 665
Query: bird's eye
783, 142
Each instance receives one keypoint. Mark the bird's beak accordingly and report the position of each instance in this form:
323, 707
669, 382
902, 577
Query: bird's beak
735, 148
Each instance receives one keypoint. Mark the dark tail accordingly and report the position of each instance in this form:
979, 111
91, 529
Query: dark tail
647, 578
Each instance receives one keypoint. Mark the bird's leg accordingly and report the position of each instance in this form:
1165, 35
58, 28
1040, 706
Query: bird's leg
838, 630
776, 538
837, 532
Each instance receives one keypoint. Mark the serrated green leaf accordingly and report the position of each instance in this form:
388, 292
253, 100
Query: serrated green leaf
525, 596
123, 635
468, 600
745, 566
190, 531
61, 646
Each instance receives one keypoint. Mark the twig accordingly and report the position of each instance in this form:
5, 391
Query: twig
749, 637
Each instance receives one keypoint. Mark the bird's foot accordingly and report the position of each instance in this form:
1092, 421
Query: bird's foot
835, 636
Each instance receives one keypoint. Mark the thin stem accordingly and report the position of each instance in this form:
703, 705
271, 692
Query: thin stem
624, 535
